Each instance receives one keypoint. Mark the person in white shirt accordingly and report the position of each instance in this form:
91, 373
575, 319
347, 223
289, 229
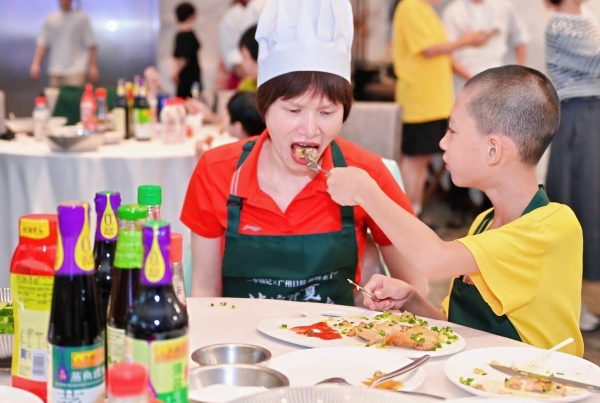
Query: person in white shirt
236, 20
68, 39
510, 36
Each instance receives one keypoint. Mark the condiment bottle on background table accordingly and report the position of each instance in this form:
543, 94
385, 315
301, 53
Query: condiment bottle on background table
126, 278
41, 115
130, 93
75, 334
127, 383
177, 266
106, 203
151, 197
31, 281
87, 109
121, 110
101, 121
142, 113
158, 325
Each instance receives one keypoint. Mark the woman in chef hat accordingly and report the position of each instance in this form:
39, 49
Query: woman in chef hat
263, 224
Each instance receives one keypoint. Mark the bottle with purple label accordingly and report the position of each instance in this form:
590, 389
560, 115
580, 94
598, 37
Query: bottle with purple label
157, 326
75, 334
107, 228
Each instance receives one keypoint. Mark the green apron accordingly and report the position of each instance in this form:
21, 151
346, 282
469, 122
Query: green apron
308, 267
467, 307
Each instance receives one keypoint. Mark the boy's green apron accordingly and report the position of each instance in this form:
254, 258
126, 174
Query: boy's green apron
311, 267
467, 307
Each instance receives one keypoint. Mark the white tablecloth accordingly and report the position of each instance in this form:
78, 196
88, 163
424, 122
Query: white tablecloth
221, 324
34, 179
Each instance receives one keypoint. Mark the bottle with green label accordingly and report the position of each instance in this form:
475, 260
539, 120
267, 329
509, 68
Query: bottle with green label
126, 279
75, 334
150, 196
107, 203
142, 115
157, 328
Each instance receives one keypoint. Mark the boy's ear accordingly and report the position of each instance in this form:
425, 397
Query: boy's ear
495, 150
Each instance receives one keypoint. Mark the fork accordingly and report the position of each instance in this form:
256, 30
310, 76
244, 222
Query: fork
359, 288
311, 163
538, 361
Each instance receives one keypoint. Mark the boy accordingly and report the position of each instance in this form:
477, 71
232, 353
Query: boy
519, 270
185, 56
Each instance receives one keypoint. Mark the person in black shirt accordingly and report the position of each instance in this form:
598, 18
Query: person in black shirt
187, 67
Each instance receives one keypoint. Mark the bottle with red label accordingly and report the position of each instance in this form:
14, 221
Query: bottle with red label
87, 109
31, 281
75, 334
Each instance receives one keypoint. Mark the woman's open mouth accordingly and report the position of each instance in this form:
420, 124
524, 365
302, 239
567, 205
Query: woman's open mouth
299, 150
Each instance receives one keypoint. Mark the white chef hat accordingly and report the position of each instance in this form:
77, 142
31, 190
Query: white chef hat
304, 35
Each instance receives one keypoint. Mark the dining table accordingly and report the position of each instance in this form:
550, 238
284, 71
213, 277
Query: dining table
235, 320
34, 179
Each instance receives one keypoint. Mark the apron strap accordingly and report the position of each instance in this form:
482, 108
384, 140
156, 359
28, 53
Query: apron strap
340, 161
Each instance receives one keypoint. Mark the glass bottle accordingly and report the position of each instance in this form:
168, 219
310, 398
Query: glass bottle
41, 115
101, 112
107, 203
75, 334
151, 197
142, 113
177, 266
126, 278
158, 324
87, 109
121, 110
127, 383
31, 282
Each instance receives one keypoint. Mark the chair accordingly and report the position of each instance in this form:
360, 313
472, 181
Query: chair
376, 127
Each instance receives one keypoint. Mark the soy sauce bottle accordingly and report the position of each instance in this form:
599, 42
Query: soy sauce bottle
126, 278
157, 328
107, 203
75, 334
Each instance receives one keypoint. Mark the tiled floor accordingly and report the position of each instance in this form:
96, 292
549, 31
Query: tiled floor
438, 212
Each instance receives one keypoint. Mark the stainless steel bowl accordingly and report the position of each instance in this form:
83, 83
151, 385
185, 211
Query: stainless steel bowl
231, 354
77, 142
236, 375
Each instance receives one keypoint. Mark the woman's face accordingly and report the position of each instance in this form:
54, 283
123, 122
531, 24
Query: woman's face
306, 121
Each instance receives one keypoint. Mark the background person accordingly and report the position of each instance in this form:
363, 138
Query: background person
573, 62
424, 87
68, 39
185, 56
263, 225
509, 37
518, 272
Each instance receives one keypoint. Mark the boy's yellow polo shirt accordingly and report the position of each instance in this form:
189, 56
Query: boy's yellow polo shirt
424, 85
531, 271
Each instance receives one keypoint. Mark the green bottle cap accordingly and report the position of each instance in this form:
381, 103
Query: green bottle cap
150, 195
132, 212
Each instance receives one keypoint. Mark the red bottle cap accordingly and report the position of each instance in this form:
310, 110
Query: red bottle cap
40, 101
89, 87
171, 101
176, 255
127, 379
101, 93
38, 228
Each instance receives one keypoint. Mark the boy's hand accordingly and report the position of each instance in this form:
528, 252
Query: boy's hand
392, 293
347, 185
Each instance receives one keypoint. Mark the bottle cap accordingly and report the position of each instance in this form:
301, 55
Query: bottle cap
101, 93
40, 101
127, 379
132, 212
149, 195
176, 247
40, 227
171, 101
89, 87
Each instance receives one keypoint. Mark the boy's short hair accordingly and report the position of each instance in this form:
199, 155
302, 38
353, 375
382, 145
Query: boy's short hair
520, 103
249, 42
184, 11
242, 108
320, 84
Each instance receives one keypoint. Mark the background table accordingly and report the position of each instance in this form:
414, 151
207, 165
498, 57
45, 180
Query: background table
34, 179
222, 324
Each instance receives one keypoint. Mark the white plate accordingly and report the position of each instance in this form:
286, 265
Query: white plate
316, 309
272, 327
569, 366
8, 394
307, 367
330, 394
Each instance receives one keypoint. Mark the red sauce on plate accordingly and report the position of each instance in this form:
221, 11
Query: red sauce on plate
320, 330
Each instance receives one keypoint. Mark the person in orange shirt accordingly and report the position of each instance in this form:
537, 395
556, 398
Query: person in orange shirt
263, 225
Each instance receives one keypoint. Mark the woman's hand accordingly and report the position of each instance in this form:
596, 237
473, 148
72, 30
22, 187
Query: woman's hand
348, 185
392, 293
